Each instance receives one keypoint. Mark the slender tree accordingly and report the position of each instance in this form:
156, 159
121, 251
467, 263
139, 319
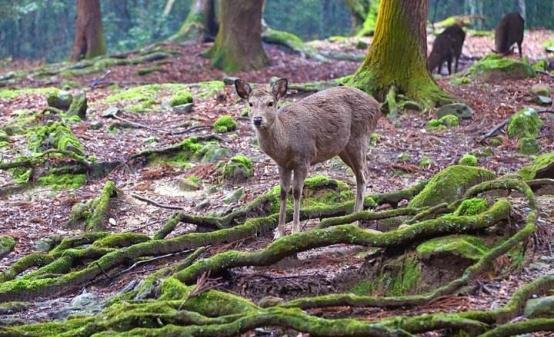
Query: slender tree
200, 24
238, 45
397, 56
89, 37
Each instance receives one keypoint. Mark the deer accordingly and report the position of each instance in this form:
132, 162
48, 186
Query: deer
333, 122
508, 32
447, 47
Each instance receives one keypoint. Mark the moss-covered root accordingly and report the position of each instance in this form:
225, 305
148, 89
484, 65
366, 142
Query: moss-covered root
94, 212
520, 328
347, 234
367, 215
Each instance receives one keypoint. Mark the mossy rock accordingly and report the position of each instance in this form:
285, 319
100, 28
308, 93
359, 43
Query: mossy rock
463, 246
319, 191
211, 152
7, 244
540, 307
145, 97
450, 184
540, 90
471, 206
62, 181
190, 183
468, 160
224, 124
496, 67
524, 123
444, 122
78, 106
528, 146
461, 110
180, 98
542, 167
238, 169
53, 135
210, 88
60, 100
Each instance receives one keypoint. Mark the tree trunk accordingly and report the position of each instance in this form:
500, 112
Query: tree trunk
200, 24
89, 37
522, 9
238, 45
397, 56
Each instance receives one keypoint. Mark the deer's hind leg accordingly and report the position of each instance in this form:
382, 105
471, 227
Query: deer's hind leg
354, 157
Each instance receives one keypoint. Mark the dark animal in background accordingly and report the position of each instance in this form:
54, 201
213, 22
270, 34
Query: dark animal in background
508, 32
446, 48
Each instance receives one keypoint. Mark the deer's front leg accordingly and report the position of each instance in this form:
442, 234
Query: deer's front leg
284, 175
297, 186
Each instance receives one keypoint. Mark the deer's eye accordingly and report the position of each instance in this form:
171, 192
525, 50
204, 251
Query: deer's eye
270, 104
250, 104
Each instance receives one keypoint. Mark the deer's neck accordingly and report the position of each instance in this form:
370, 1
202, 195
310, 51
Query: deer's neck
274, 142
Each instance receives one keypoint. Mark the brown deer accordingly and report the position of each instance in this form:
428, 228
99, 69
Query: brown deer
336, 121
447, 47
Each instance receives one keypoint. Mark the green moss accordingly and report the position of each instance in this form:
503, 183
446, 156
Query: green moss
472, 206
460, 79
210, 88
433, 124
62, 181
54, 135
180, 98
363, 287
465, 246
21, 121
449, 121
528, 145
368, 27
549, 44
468, 159
21, 175
143, 98
173, 289
449, 184
190, 183
540, 163
494, 65
425, 161
224, 124
524, 123
191, 150
541, 65
9, 94
238, 168
7, 244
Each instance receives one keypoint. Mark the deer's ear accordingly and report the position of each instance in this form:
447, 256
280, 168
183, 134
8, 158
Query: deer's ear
279, 88
243, 88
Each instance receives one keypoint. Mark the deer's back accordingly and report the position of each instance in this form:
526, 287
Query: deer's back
509, 31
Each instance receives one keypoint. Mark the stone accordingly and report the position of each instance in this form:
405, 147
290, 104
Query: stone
540, 307
234, 196
543, 100
96, 125
540, 90
78, 106
60, 100
84, 304
7, 244
528, 145
230, 80
461, 110
183, 108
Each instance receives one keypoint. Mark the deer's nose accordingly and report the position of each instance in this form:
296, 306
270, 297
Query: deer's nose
257, 121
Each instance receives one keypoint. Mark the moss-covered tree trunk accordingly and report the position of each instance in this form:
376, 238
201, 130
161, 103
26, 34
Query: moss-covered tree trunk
89, 36
200, 24
397, 56
238, 45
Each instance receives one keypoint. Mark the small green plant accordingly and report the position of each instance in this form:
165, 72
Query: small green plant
468, 160
224, 124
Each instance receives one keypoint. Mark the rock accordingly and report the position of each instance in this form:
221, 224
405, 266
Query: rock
468, 159
47, 243
229, 80
183, 108
60, 100
540, 90
7, 244
461, 110
78, 106
525, 123
463, 246
540, 307
212, 153
412, 105
238, 169
450, 184
543, 100
83, 304
361, 44
203, 205
542, 167
96, 125
190, 183
111, 111
494, 67
528, 145
234, 196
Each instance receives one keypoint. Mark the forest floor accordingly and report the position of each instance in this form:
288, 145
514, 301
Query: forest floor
394, 163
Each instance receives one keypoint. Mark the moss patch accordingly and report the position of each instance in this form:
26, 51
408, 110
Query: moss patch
62, 181
54, 135
238, 169
210, 88
472, 206
465, 246
495, 66
524, 123
468, 159
224, 124
541, 164
7, 244
9, 94
180, 98
450, 184
143, 98
447, 121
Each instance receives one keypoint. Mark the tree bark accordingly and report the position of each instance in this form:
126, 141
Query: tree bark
397, 56
89, 37
522, 9
200, 24
238, 45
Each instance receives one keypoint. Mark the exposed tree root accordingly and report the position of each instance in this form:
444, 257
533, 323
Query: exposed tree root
94, 212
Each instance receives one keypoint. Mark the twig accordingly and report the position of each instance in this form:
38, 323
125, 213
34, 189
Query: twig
156, 258
197, 127
154, 203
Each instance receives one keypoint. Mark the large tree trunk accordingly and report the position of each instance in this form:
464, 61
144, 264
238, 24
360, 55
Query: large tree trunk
238, 45
522, 9
200, 24
397, 56
89, 37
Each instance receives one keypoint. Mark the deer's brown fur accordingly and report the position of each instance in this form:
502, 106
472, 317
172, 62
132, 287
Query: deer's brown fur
332, 122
